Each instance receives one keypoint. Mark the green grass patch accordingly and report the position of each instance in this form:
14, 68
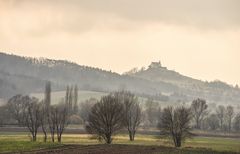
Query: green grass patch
214, 143
19, 146
21, 142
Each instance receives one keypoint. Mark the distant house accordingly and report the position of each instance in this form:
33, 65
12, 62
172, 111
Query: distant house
156, 65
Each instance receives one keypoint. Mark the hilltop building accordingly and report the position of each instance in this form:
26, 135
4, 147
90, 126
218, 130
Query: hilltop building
156, 65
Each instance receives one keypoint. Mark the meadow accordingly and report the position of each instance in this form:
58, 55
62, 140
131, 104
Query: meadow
19, 142
83, 95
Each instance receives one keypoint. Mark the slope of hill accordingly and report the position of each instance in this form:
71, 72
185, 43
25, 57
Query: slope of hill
216, 91
28, 75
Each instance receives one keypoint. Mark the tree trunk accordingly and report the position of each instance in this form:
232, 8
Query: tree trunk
221, 124
53, 135
229, 126
45, 134
174, 139
131, 135
178, 142
45, 137
198, 124
34, 137
109, 139
59, 138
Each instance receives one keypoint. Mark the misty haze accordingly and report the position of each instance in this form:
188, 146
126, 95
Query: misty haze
139, 76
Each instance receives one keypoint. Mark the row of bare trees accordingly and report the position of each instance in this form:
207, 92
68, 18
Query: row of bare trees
71, 99
121, 110
34, 114
223, 118
114, 112
177, 122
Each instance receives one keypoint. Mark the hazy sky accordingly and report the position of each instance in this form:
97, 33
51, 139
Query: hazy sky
198, 38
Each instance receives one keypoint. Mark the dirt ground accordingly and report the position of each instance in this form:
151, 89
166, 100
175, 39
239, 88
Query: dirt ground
120, 149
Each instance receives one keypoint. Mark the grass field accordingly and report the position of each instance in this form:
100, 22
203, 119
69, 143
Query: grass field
82, 95
58, 96
20, 142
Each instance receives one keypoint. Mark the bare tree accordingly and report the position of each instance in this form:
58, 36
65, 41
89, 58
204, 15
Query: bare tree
237, 123
44, 119
212, 122
52, 122
4, 115
176, 123
229, 116
61, 119
85, 108
199, 111
47, 98
45, 110
132, 112
17, 107
152, 109
105, 118
220, 114
132, 118
69, 99
75, 106
26, 111
58, 118
67, 95
32, 120
1, 116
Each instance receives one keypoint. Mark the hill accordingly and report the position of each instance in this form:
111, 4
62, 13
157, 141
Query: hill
216, 91
28, 75
25, 75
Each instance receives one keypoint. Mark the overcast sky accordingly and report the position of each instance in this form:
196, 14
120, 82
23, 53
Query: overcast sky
198, 38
